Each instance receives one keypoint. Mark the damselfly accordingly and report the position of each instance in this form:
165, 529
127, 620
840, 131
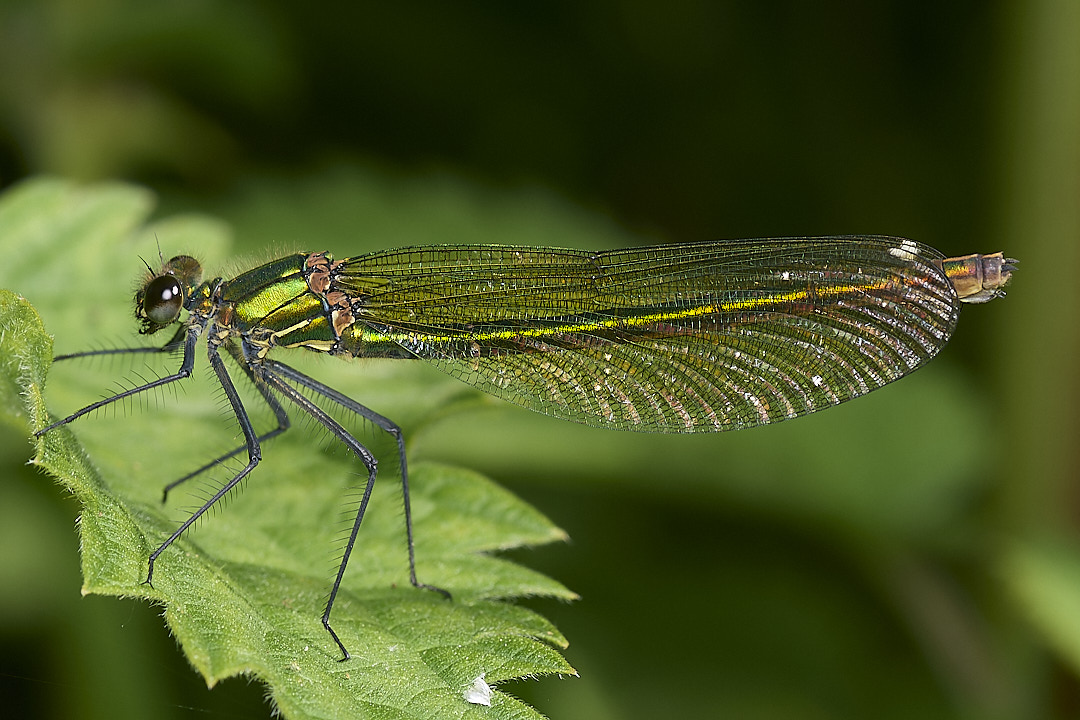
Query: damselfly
696, 337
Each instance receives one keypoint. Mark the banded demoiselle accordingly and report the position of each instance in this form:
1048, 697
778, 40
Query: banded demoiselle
697, 337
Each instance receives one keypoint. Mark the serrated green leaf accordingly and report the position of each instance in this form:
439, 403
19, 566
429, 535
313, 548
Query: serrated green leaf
243, 593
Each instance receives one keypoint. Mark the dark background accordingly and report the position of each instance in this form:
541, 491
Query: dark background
712, 586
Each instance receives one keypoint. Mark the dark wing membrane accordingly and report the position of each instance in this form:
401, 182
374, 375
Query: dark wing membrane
677, 338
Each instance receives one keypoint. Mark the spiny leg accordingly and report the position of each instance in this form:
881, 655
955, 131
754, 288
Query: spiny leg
186, 366
174, 343
279, 413
382, 422
324, 419
251, 443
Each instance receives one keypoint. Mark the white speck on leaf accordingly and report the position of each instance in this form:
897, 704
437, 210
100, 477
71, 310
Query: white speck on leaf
479, 693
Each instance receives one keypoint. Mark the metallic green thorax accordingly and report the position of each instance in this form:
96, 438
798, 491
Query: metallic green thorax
679, 338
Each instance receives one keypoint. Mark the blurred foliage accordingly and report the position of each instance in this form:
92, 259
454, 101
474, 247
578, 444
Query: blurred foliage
911, 554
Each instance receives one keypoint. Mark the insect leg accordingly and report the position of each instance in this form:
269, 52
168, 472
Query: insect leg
269, 376
279, 413
174, 343
382, 422
252, 444
184, 372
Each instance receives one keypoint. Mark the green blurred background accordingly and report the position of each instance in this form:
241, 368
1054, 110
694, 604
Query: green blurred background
912, 554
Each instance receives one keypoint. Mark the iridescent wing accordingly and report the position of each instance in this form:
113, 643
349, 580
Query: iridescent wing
678, 338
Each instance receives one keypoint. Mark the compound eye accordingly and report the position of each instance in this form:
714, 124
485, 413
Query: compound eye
162, 300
